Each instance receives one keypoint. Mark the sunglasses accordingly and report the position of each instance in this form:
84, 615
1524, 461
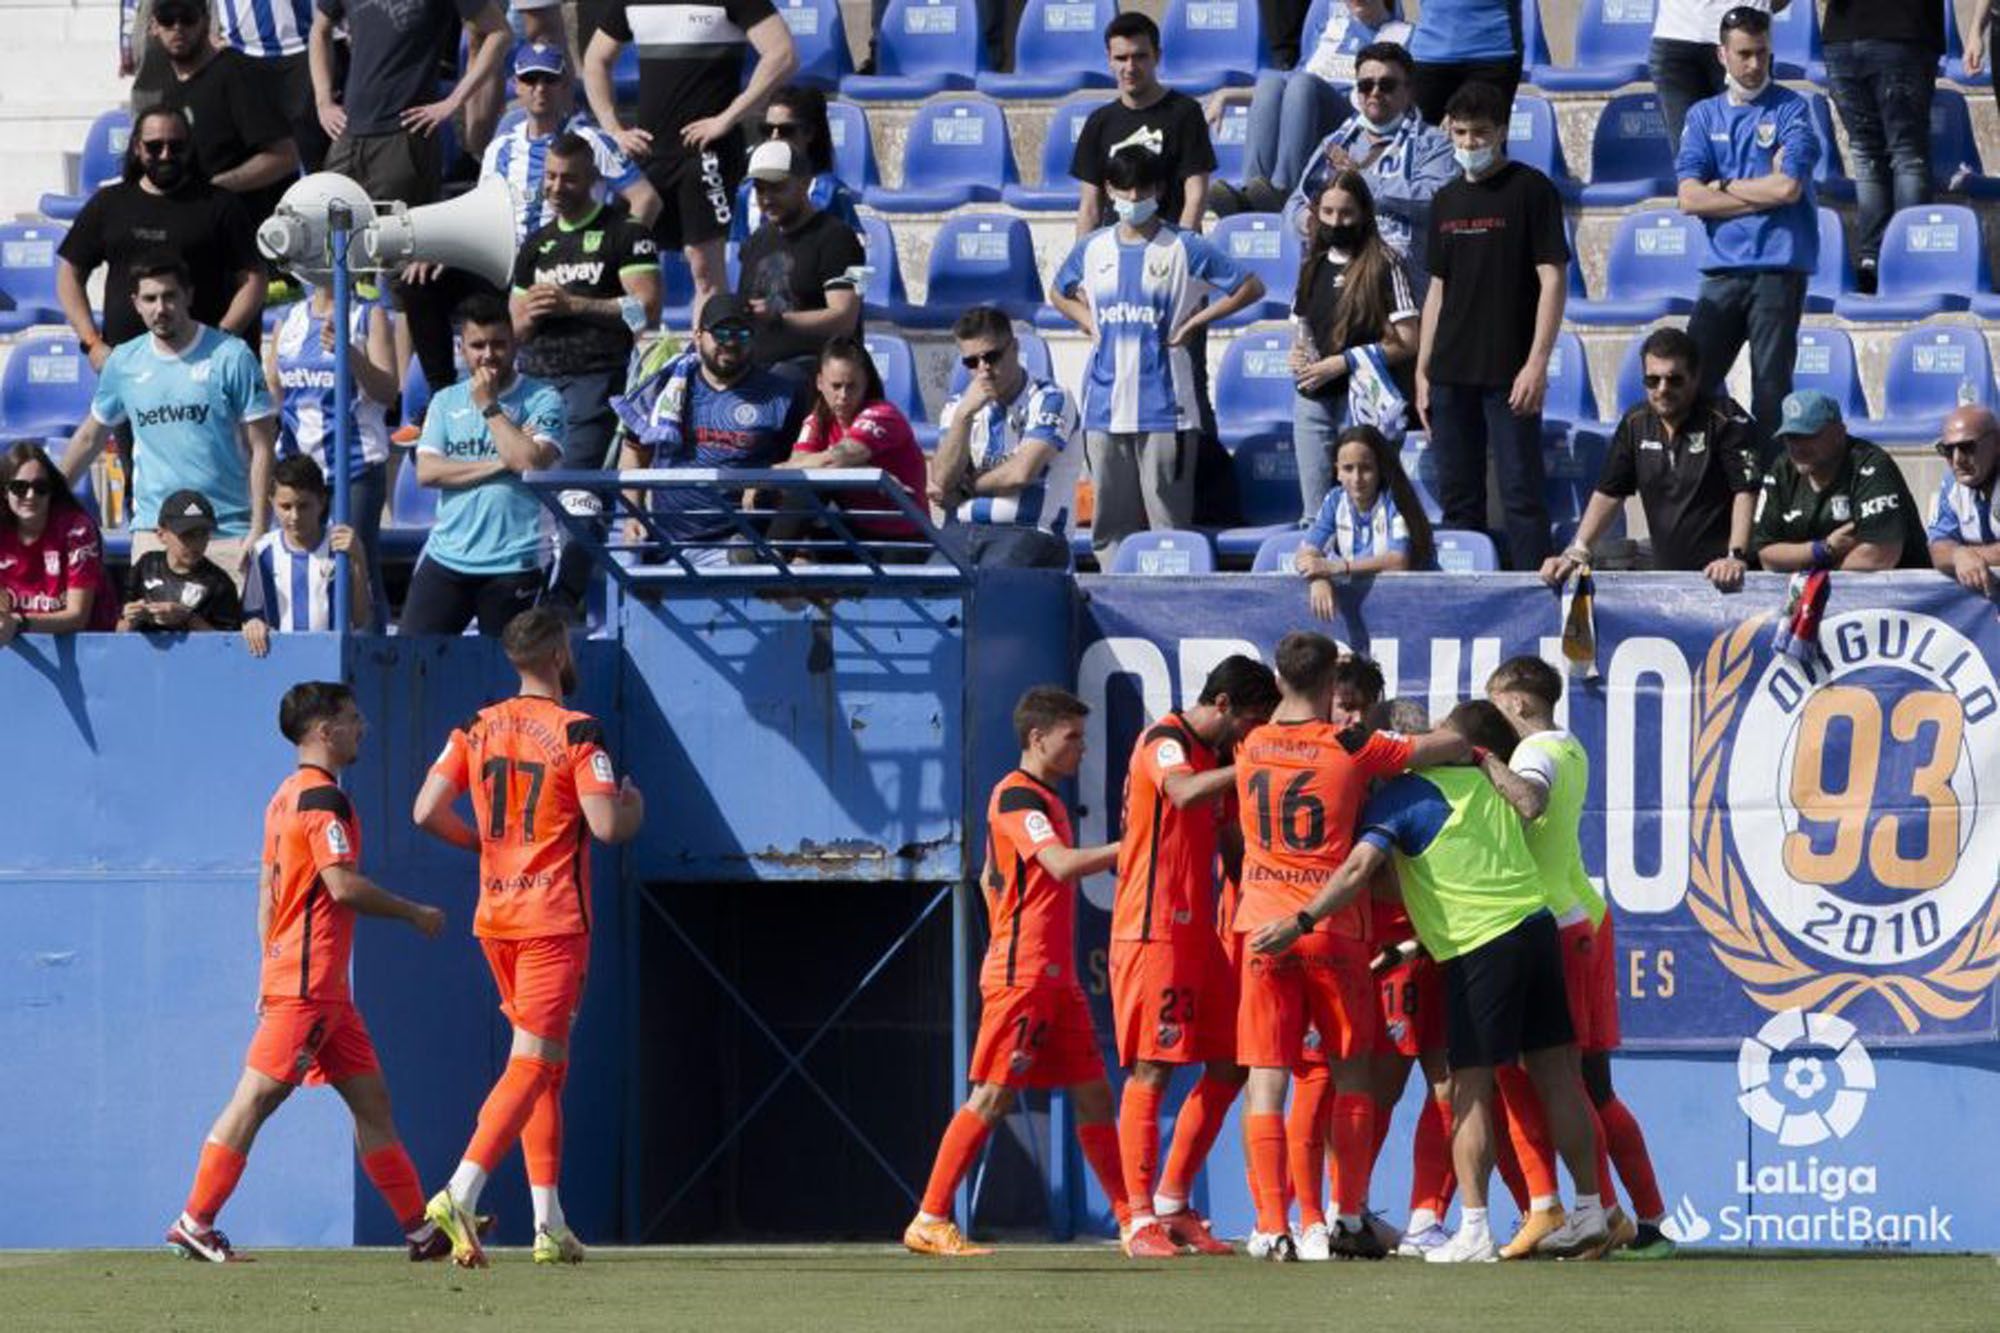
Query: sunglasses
785, 129
163, 147
33, 486
974, 360
1369, 86
177, 18
538, 80
1673, 381
730, 333
1946, 448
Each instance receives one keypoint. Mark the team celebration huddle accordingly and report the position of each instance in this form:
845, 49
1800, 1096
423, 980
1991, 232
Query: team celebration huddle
1317, 889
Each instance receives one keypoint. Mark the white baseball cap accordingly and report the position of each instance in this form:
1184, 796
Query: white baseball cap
776, 160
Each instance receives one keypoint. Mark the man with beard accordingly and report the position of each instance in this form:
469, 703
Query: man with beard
1964, 530
714, 407
161, 203
240, 135
798, 268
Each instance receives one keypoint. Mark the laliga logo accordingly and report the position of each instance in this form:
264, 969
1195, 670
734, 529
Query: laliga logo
1842, 843
1803, 1053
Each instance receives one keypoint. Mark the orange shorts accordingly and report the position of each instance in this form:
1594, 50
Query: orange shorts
1579, 950
311, 1042
1322, 982
540, 980
1410, 1007
1604, 1029
1172, 1002
1035, 1037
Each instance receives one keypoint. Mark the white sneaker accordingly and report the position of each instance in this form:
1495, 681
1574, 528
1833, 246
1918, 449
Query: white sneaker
1276, 1246
1465, 1248
1315, 1244
1417, 1244
1577, 1234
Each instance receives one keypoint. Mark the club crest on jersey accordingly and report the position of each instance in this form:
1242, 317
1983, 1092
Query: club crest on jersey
1021, 1060
1169, 1036
52, 562
1841, 508
1845, 850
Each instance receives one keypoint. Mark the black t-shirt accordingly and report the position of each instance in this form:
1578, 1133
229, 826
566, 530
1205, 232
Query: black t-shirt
1173, 127
205, 590
208, 228
1318, 295
1486, 238
1868, 491
585, 260
1919, 21
233, 106
792, 272
1686, 485
690, 59
392, 60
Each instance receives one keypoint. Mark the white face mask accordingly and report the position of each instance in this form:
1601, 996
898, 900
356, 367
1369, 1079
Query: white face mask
1380, 129
1473, 161
1135, 212
1743, 92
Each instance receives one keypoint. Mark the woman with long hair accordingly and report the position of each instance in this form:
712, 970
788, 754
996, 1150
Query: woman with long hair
853, 424
1355, 320
52, 576
1371, 521
798, 116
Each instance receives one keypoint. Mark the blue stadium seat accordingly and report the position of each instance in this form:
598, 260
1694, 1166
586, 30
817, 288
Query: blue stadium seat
101, 161
1462, 552
28, 274
819, 34
957, 154
411, 505
982, 259
1577, 291
1826, 362
1057, 192
1629, 157
1830, 180
1176, 551
1532, 138
1263, 244
1795, 45
1210, 44
676, 290
1267, 478
1612, 38
1833, 278
1932, 261
1932, 369
897, 365
1254, 388
925, 47
1275, 552
1230, 139
1035, 359
1058, 49
625, 74
1571, 462
1955, 160
1570, 397
885, 297
1534, 44
1654, 269
853, 150
45, 387
1420, 466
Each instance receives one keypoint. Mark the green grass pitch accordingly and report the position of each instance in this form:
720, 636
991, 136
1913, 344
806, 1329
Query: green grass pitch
1023, 1288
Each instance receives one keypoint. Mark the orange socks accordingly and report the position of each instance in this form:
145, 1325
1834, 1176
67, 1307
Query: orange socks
1432, 1181
215, 1180
1266, 1134
1353, 1150
1139, 1141
507, 1110
1305, 1138
541, 1137
963, 1139
1195, 1131
394, 1176
1527, 1130
1635, 1164
1100, 1149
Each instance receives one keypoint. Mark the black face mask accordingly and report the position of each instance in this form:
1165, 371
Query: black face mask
167, 173
1346, 237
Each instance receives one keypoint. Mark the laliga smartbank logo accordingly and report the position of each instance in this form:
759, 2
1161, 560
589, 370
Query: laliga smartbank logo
1805, 1080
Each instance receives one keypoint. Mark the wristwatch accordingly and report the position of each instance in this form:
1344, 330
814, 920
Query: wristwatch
1305, 922
491, 410
1739, 555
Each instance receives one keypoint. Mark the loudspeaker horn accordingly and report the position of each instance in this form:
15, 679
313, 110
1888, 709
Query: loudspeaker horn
474, 232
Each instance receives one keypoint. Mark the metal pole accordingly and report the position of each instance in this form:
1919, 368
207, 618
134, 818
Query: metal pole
340, 225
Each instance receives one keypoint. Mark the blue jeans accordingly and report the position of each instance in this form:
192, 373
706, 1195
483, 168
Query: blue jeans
1883, 90
1315, 426
1465, 420
1685, 73
1763, 309
1289, 115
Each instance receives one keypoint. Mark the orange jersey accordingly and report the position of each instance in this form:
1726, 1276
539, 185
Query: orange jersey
528, 763
308, 826
1032, 913
1229, 891
1301, 786
1166, 861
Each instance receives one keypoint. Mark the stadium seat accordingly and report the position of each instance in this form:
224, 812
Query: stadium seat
1175, 551
411, 505
957, 153
1955, 160
1263, 244
1058, 191
1035, 359
1932, 369
1275, 552
925, 47
1577, 291
1932, 261
1532, 138
416, 393
625, 75
1267, 478
1571, 462
1629, 157
101, 161
819, 34
1421, 468
1795, 45
45, 387
1830, 180
28, 274
1826, 362
1231, 139
897, 365
1832, 279
1058, 49
1654, 269
1210, 44
676, 290
981, 259
1462, 552
1612, 38
1254, 388
1534, 44
885, 297
1570, 397
853, 150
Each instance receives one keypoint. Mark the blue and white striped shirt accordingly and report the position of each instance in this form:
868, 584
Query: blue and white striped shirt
305, 375
1040, 412
1341, 529
264, 29
288, 589
519, 158
1961, 514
